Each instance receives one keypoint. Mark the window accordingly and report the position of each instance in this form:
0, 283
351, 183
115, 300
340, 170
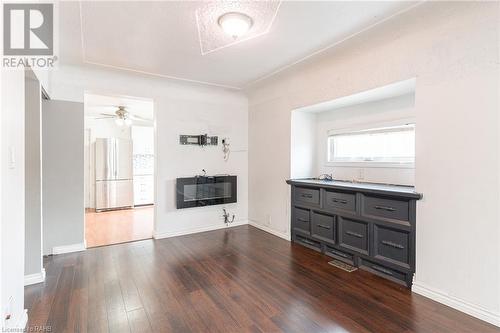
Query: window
389, 145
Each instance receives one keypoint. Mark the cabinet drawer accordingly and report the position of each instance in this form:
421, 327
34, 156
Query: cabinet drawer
340, 255
386, 208
308, 196
323, 227
337, 200
301, 220
353, 235
392, 245
312, 244
388, 273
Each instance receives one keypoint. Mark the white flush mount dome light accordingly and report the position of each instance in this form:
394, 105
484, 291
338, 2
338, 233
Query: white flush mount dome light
235, 24
226, 23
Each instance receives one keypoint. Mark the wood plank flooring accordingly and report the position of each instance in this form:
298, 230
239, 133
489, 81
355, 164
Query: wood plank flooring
118, 226
234, 280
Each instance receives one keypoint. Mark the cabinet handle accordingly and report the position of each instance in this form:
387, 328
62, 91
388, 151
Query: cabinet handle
339, 201
324, 226
302, 220
355, 234
387, 208
307, 241
340, 254
306, 195
382, 270
391, 244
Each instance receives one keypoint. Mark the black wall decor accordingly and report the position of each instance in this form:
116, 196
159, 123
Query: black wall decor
369, 226
199, 140
206, 191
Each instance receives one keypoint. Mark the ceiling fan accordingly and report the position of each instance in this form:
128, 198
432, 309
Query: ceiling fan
122, 117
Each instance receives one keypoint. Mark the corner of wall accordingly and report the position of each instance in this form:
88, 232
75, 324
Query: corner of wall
456, 303
285, 236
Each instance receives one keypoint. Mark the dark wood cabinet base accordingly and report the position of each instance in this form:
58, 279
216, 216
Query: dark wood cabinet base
370, 227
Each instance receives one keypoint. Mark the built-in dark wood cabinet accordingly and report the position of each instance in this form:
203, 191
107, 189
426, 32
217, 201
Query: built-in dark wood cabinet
370, 226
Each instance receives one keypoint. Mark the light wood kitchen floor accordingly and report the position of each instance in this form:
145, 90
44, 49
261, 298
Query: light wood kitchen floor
118, 226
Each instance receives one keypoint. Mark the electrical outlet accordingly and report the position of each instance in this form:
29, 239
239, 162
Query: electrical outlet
361, 174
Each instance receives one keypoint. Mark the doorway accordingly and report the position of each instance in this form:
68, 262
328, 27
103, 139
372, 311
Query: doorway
119, 169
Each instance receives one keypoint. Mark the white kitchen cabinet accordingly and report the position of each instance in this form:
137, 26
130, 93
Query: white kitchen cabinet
143, 190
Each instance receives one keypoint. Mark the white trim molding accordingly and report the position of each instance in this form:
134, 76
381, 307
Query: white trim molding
269, 230
456, 303
160, 235
68, 248
34, 278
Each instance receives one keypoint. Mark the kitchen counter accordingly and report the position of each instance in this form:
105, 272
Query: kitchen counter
399, 190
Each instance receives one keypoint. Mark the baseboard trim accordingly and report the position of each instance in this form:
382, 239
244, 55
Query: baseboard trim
34, 278
160, 235
456, 303
269, 230
68, 248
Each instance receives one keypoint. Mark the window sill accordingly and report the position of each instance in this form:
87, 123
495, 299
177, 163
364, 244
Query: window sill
387, 165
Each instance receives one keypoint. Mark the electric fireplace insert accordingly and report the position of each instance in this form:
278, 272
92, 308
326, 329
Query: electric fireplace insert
206, 191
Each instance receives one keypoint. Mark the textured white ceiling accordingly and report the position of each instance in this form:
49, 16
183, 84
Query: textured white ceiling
161, 37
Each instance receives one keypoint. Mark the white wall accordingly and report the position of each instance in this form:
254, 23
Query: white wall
366, 115
452, 50
33, 178
179, 109
12, 226
62, 177
303, 145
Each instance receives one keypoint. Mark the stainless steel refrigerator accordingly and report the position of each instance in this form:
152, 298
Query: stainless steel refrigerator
114, 186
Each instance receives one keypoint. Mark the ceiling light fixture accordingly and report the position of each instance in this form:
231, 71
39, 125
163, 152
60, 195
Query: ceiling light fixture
122, 117
235, 24
119, 122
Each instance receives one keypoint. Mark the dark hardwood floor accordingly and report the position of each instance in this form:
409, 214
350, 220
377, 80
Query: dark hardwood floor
234, 280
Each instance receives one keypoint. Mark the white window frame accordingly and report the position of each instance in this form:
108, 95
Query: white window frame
368, 127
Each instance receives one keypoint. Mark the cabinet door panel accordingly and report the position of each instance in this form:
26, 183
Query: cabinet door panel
386, 272
337, 200
312, 244
307, 196
386, 208
340, 255
323, 227
392, 245
353, 235
301, 220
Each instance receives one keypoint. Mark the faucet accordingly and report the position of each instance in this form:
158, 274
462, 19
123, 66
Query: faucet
326, 176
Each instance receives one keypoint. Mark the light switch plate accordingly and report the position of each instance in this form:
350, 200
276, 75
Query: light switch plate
12, 158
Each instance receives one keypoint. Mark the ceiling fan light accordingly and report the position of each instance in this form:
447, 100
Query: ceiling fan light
235, 24
119, 122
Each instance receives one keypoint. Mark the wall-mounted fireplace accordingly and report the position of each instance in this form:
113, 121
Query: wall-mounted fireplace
206, 191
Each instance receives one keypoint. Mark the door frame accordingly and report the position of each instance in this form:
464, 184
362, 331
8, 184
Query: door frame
155, 143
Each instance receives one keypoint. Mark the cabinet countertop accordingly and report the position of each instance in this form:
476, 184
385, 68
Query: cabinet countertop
397, 190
